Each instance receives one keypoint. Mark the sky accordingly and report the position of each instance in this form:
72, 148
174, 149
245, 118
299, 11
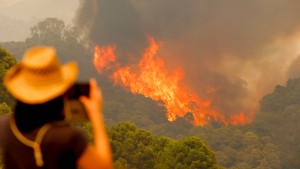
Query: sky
17, 16
8, 3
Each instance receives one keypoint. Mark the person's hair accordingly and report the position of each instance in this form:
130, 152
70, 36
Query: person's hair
31, 116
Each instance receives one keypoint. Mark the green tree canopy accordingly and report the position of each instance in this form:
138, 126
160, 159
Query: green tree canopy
186, 153
6, 61
136, 148
4, 109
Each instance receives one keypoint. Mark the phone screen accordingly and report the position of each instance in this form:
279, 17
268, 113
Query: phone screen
78, 112
77, 90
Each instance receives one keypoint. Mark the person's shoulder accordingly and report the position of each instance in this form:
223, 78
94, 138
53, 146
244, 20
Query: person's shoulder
66, 137
4, 120
65, 132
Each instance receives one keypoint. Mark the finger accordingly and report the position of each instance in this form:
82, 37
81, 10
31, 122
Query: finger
91, 86
86, 103
93, 83
95, 91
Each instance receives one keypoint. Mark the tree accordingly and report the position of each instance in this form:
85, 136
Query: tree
54, 32
136, 148
67, 40
187, 153
49, 31
132, 146
279, 119
4, 109
6, 61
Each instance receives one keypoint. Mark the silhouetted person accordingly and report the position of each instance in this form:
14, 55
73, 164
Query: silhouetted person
37, 135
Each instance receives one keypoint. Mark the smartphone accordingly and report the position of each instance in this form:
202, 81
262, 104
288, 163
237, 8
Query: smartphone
78, 112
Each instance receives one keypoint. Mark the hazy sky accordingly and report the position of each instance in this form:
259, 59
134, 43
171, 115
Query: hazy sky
7, 3
17, 16
37, 9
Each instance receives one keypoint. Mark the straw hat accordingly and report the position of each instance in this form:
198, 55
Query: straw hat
40, 77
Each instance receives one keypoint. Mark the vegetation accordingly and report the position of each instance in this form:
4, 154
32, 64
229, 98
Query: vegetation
279, 118
6, 61
136, 148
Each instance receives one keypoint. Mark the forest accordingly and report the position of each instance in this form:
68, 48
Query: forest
142, 137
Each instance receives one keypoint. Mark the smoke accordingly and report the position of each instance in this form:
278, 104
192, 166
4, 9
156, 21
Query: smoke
232, 52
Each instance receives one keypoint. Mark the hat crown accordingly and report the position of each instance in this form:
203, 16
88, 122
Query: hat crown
40, 65
40, 57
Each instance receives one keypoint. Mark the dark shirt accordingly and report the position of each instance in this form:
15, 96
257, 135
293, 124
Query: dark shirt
61, 147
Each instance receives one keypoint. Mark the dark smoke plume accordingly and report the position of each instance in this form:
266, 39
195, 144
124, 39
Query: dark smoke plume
240, 49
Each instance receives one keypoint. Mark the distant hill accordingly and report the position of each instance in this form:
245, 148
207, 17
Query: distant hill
13, 29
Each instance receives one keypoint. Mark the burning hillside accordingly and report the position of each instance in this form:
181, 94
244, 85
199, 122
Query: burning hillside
154, 81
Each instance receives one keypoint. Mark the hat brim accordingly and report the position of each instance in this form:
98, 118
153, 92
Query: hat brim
28, 93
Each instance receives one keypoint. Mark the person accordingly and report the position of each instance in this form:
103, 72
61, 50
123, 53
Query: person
37, 134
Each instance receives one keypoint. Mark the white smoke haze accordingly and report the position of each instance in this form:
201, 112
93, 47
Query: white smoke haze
17, 16
240, 49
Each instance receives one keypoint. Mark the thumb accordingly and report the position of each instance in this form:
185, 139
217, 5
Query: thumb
84, 100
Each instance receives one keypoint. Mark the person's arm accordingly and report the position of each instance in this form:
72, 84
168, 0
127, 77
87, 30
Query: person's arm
97, 155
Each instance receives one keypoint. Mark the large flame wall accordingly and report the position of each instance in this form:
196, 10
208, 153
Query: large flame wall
154, 81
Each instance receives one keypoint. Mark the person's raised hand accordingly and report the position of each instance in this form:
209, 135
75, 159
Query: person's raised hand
93, 103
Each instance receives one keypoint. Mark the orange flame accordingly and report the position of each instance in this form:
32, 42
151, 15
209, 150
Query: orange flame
103, 56
154, 81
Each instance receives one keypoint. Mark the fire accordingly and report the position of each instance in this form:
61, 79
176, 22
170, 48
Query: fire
154, 81
103, 56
